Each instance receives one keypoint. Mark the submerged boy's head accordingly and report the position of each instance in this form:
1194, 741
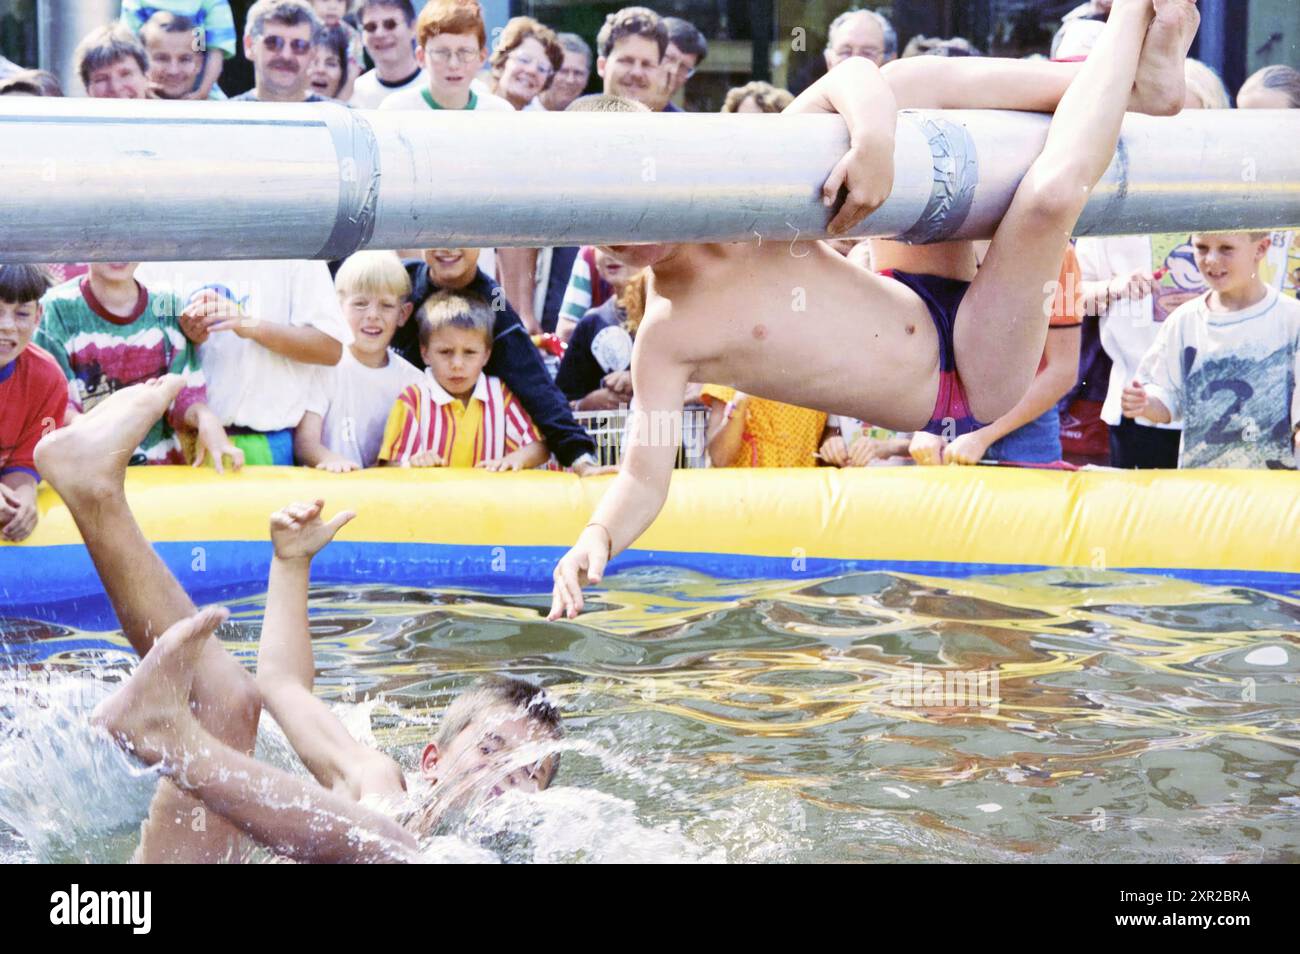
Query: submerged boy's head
113, 64
373, 289
1229, 261
456, 340
21, 288
494, 736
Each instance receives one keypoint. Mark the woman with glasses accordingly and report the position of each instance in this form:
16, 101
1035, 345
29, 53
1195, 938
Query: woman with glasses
525, 62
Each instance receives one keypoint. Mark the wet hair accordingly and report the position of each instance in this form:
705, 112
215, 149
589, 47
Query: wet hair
576, 44
32, 82
603, 103
167, 23
686, 36
632, 21
1207, 85
891, 35
934, 46
373, 273
446, 309
513, 36
770, 99
404, 7
1281, 78
106, 45
631, 302
284, 12
339, 40
20, 284
451, 16
491, 692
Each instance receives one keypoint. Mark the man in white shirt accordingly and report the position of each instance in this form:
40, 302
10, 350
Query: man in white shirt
261, 326
388, 33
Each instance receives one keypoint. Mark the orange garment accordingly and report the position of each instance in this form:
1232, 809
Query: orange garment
776, 434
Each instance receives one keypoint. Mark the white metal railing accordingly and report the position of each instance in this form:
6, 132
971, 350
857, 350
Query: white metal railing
609, 430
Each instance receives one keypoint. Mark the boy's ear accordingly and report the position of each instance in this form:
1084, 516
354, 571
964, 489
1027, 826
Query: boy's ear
405, 314
420, 57
600, 67
429, 762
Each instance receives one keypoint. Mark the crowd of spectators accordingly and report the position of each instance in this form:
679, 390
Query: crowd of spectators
448, 357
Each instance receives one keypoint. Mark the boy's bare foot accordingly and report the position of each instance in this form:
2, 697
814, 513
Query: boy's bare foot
150, 715
1161, 86
90, 455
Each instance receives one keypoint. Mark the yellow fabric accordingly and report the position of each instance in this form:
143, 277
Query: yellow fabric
469, 421
776, 434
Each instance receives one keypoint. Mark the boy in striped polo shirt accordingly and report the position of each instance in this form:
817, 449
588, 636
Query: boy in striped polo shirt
459, 416
107, 332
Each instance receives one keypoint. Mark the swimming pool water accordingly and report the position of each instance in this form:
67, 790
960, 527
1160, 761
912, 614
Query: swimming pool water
1098, 717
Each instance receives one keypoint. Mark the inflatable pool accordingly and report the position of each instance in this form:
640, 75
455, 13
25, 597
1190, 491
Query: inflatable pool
464, 528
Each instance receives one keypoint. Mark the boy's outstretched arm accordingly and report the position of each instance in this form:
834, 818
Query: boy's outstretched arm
286, 669
638, 493
858, 92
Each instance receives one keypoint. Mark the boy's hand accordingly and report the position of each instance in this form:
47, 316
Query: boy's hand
867, 449
501, 464
967, 450
17, 514
1133, 402
338, 465
213, 441
298, 533
867, 173
927, 449
1141, 284
425, 459
620, 382
583, 564
585, 469
834, 452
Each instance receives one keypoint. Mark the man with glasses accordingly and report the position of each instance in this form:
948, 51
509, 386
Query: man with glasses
687, 49
571, 80
279, 40
862, 33
451, 47
388, 33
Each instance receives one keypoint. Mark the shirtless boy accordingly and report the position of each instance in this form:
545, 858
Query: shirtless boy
936, 347
192, 710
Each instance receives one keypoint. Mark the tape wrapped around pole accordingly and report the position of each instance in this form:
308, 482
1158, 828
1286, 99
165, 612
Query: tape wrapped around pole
114, 180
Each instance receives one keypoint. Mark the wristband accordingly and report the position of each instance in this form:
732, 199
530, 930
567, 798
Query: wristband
609, 552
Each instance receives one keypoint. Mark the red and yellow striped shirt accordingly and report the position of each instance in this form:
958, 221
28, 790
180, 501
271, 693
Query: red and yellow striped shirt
426, 418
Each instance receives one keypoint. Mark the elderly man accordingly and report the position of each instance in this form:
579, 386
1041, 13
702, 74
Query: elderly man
862, 33
279, 40
571, 80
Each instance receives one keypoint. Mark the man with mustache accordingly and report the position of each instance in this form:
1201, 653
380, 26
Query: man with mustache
279, 40
631, 47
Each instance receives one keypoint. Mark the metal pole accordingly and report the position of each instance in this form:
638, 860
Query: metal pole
115, 180
60, 26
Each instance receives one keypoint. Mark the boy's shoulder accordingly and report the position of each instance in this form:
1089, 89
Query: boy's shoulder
409, 98
69, 290
40, 369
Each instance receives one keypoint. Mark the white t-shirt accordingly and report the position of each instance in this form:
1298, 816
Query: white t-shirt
413, 98
249, 385
369, 90
1230, 377
354, 402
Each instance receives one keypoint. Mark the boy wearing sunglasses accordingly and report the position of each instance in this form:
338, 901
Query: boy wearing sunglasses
279, 40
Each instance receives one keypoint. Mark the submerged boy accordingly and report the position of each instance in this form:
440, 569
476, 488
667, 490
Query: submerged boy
936, 347
192, 711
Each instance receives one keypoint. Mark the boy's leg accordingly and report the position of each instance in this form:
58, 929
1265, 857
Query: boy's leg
150, 716
1001, 326
86, 464
935, 82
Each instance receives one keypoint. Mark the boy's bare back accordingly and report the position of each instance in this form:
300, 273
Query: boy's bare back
796, 323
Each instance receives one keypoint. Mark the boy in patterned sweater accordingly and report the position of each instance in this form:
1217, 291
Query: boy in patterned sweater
107, 332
